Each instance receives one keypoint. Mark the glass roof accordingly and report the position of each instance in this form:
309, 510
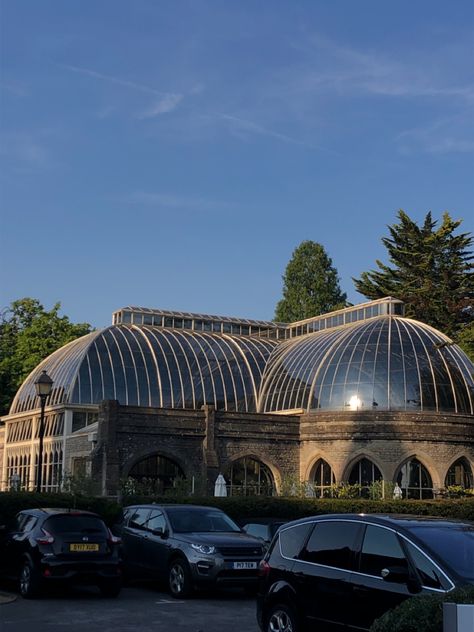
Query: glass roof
387, 363
149, 366
384, 363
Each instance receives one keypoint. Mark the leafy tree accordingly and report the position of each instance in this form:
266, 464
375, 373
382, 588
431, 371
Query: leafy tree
431, 271
28, 334
310, 285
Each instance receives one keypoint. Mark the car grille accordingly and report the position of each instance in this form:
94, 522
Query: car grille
241, 551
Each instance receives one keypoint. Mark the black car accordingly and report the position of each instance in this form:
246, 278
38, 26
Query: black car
341, 572
188, 546
59, 546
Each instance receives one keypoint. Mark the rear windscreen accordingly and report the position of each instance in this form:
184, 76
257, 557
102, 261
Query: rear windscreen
74, 524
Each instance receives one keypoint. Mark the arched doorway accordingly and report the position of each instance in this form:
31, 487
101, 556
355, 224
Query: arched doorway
249, 477
322, 477
364, 473
156, 474
460, 474
415, 480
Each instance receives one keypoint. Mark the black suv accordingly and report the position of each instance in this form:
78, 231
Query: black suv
188, 546
343, 571
47, 546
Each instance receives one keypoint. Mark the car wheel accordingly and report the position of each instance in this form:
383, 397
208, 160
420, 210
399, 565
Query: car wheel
110, 589
179, 578
29, 581
281, 618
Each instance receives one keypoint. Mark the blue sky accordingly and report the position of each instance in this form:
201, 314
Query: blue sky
173, 154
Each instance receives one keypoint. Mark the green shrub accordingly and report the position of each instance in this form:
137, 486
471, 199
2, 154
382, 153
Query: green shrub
423, 613
239, 507
13, 502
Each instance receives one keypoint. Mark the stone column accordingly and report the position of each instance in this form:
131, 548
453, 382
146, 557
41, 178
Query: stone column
211, 461
105, 460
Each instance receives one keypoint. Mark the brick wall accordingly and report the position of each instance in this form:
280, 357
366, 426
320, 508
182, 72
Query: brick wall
202, 443
388, 439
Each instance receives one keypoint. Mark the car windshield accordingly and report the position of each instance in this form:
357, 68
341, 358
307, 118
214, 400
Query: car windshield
453, 544
74, 524
184, 520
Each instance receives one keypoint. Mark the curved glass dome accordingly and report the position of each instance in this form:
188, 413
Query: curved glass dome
149, 366
386, 363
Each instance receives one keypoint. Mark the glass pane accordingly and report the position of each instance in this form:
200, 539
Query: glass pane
381, 549
332, 544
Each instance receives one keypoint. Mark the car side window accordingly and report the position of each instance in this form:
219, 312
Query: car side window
332, 543
138, 518
430, 575
381, 549
156, 520
257, 530
292, 539
20, 521
29, 523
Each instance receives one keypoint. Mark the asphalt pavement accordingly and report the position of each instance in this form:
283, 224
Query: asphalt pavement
138, 607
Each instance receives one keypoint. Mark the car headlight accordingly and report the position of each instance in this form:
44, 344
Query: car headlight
207, 549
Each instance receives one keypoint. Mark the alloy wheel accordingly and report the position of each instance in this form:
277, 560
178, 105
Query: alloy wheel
177, 579
25, 579
280, 621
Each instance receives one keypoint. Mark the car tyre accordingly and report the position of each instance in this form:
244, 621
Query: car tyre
30, 582
179, 579
110, 589
281, 618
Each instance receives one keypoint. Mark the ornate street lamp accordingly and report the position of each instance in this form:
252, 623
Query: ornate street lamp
43, 386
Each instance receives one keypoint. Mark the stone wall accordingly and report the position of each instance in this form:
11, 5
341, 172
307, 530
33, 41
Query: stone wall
387, 439
202, 442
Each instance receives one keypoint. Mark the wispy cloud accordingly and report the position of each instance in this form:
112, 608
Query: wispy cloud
245, 127
167, 101
133, 85
176, 202
166, 104
26, 150
331, 67
441, 137
15, 88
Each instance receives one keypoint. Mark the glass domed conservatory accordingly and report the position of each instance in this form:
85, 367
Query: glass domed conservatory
242, 385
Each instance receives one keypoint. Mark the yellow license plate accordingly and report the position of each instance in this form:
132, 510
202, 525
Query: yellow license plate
83, 547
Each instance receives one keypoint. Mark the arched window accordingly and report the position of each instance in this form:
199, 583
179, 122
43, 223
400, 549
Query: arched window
415, 480
156, 474
249, 477
364, 473
322, 478
460, 473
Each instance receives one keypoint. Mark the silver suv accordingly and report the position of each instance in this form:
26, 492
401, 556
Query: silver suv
188, 546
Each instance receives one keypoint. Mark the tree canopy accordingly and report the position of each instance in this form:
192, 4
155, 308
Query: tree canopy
431, 271
310, 285
28, 334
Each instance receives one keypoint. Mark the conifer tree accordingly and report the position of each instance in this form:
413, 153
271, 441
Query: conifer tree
310, 285
431, 271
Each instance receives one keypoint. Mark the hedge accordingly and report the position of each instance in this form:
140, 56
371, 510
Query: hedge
240, 508
13, 502
423, 613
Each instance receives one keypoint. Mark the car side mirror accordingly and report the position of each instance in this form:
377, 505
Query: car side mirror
160, 532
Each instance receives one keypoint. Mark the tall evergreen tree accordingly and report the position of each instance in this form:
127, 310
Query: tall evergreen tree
431, 271
28, 334
310, 285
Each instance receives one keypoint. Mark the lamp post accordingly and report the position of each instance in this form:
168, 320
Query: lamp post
43, 386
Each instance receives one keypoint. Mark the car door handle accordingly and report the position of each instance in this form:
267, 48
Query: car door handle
360, 589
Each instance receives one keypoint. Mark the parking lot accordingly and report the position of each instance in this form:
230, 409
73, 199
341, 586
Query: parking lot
139, 607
